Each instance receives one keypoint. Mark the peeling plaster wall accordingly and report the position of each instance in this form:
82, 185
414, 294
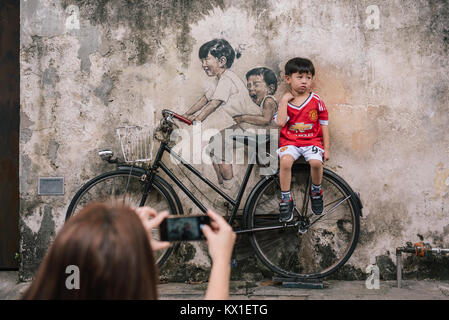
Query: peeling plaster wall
88, 67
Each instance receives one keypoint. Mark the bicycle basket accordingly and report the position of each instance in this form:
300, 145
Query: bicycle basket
136, 143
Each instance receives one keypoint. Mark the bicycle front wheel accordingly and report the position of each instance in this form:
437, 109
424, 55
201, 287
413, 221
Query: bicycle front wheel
127, 187
326, 242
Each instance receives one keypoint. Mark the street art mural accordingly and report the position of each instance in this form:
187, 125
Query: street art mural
249, 106
88, 67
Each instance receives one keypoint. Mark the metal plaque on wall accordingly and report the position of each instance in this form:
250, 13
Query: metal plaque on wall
53, 186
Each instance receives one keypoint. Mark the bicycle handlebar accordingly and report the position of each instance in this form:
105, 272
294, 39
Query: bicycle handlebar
177, 116
185, 120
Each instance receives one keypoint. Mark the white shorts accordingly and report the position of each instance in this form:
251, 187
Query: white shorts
309, 153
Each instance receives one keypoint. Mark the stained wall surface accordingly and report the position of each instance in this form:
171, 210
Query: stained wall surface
88, 67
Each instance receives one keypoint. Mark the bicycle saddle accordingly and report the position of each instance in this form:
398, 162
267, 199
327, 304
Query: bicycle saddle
259, 143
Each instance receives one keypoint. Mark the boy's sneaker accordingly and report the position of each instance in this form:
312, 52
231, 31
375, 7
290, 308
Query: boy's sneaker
286, 211
317, 202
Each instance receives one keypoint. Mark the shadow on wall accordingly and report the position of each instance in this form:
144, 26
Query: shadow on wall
149, 20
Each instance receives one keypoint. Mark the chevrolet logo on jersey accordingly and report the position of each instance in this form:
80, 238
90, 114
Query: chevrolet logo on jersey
301, 127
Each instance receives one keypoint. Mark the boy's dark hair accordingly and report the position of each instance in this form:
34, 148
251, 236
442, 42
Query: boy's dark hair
268, 76
300, 65
218, 48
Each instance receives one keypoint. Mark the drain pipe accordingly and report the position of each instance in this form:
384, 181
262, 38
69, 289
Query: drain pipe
420, 249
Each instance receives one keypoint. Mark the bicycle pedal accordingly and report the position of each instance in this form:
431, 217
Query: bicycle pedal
302, 229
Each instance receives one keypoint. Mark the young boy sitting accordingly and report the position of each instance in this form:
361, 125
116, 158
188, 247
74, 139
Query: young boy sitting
304, 121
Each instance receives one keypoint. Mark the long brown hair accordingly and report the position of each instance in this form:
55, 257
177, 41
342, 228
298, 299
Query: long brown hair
111, 249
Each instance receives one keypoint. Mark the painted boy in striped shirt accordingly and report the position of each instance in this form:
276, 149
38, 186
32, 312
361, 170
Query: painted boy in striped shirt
303, 118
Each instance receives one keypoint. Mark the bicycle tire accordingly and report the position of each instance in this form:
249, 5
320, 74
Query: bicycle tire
322, 249
97, 189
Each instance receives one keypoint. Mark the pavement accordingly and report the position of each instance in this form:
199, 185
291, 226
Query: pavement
11, 289
333, 290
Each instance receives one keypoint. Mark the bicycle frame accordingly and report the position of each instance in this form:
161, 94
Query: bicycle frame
260, 211
158, 163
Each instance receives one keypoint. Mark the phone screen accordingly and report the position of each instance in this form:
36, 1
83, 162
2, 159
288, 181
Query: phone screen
183, 228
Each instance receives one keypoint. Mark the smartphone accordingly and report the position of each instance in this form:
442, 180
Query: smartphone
175, 228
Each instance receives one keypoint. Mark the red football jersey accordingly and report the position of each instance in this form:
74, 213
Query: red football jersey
303, 127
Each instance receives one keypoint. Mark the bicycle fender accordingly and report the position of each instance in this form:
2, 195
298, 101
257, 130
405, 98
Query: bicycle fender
173, 193
357, 196
131, 168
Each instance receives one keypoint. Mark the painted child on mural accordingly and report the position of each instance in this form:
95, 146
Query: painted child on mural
229, 93
262, 85
303, 117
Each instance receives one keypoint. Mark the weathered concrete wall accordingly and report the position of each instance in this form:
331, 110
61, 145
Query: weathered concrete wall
88, 67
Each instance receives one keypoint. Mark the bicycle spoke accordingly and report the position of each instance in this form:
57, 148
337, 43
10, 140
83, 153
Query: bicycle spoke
127, 189
327, 213
127, 185
328, 204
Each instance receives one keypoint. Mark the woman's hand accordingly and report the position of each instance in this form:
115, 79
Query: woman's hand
220, 241
151, 220
220, 238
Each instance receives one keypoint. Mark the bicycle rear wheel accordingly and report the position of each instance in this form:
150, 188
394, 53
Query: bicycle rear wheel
125, 186
328, 240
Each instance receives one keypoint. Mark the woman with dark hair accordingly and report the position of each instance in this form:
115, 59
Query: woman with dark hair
112, 248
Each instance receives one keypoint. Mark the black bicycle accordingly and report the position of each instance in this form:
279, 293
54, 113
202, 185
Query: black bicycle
308, 247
